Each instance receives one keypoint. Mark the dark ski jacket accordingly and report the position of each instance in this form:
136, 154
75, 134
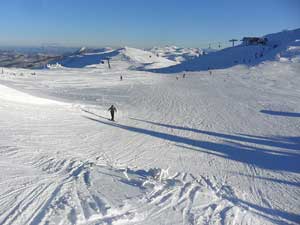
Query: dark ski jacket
112, 109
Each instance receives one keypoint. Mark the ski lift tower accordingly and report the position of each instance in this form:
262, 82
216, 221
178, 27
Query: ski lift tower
233, 40
108, 62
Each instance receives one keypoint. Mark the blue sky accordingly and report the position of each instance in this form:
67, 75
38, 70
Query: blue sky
142, 23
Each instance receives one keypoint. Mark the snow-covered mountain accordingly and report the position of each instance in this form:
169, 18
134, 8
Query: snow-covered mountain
177, 54
280, 46
86, 50
216, 149
127, 57
284, 45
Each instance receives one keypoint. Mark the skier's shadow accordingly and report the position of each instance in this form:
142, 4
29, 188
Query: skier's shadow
94, 114
267, 158
291, 143
280, 113
251, 154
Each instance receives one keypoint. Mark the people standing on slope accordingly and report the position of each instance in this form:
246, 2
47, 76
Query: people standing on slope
112, 110
209, 70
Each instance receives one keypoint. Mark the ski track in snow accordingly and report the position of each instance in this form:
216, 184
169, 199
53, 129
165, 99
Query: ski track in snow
66, 163
74, 193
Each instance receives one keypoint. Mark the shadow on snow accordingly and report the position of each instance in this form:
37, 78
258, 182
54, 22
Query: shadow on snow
265, 211
258, 156
278, 113
291, 143
261, 157
274, 180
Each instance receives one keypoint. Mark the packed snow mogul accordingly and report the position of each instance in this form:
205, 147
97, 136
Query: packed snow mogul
112, 110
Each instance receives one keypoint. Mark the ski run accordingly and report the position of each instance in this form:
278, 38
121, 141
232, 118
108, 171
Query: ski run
211, 148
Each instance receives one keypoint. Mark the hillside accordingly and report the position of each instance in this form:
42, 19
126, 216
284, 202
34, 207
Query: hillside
128, 57
281, 46
215, 149
177, 54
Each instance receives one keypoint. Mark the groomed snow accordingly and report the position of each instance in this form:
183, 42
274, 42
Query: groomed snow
220, 148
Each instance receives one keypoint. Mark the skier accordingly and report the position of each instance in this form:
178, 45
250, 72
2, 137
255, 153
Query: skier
112, 110
121, 78
183, 76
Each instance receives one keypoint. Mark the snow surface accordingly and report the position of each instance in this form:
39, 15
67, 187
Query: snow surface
176, 53
277, 48
128, 57
220, 148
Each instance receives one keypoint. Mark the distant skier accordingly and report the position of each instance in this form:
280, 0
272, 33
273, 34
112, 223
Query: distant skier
183, 76
121, 78
112, 110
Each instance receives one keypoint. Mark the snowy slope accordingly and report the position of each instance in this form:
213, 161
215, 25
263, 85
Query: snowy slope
206, 149
129, 57
177, 54
8, 94
281, 46
221, 149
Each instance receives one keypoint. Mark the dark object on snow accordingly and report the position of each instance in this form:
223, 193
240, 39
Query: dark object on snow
112, 110
255, 40
108, 62
121, 77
